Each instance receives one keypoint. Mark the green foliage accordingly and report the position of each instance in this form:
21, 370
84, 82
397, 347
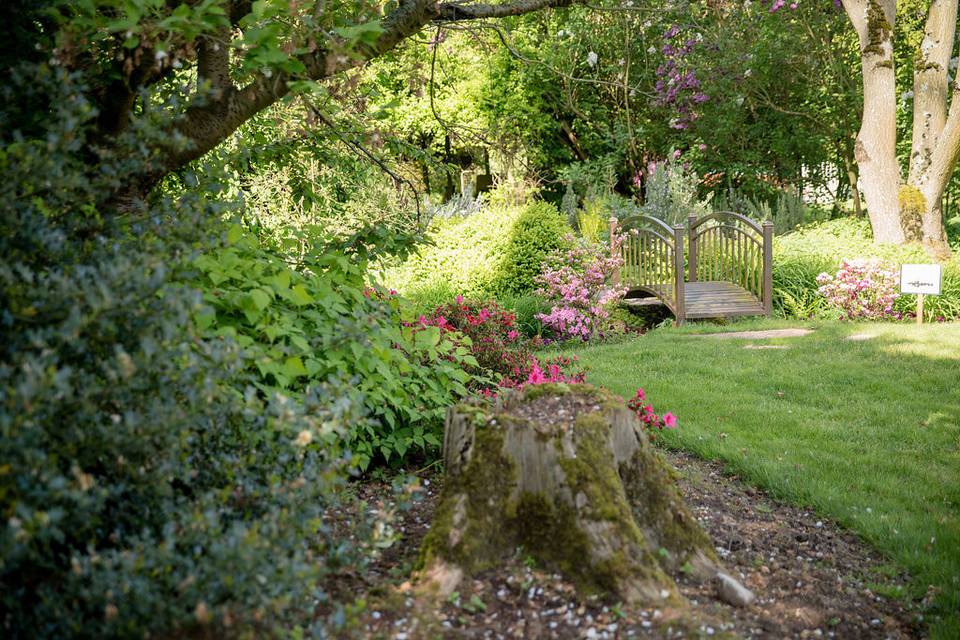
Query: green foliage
799, 257
672, 194
526, 307
785, 209
146, 486
497, 250
590, 221
300, 327
538, 232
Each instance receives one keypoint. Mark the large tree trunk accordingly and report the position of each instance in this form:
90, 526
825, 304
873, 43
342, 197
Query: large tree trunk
567, 473
875, 148
931, 156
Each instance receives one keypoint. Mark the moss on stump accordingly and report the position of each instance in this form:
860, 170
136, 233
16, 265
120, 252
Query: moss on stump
567, 473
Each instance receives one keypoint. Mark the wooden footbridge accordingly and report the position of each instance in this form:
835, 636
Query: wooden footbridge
724, 270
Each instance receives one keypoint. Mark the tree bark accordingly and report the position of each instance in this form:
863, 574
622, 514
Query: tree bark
853, 177
567, 473
932, 140
875, 147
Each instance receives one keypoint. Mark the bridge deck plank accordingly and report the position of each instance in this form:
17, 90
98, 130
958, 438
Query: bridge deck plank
711, 299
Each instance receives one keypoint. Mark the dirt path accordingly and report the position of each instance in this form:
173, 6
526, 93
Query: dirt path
812, 580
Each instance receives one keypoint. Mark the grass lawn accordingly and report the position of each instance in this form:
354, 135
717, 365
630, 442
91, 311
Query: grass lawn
865, 432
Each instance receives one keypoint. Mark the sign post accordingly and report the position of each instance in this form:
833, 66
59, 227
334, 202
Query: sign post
921, 279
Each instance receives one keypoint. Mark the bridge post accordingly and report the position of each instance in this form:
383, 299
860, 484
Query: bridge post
692, 233
679, 274
615, 280
768, 267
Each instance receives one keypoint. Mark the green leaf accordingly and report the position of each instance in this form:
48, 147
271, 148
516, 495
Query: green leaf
293, 367
300, 295
234, 234
260, 299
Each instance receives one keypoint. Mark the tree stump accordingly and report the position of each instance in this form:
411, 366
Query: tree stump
567, 473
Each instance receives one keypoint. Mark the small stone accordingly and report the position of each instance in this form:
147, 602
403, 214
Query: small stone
592, 634
732, 592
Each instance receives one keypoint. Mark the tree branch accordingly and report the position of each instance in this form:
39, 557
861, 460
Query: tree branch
213, 63
455, 11
206, 125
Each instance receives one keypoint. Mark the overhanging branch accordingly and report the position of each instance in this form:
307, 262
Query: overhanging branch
455, 11
206, 125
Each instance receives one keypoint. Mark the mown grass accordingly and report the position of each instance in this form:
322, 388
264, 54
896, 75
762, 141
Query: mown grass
865, 432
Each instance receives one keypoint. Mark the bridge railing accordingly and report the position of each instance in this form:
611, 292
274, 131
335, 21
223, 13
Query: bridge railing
730, 247
653, 258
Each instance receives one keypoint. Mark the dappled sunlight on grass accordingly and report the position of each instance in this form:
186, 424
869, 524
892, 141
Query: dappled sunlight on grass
866, 431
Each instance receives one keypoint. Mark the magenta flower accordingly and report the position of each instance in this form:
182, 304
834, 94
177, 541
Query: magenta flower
670, 420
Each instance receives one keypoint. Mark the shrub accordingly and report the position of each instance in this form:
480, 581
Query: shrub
147, 487
299, 327
494, 339
862, 289
579, 291
502, 354
590, 221
526, 308
671, 193
496, 251
537, 234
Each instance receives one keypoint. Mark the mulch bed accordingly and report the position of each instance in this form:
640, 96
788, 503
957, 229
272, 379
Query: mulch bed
810, 576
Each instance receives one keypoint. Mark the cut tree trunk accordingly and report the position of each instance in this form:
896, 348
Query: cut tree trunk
566, 473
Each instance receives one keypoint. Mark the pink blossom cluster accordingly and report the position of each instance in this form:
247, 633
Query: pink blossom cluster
580, 291
503, 357
862, 289
645, 413
555, 370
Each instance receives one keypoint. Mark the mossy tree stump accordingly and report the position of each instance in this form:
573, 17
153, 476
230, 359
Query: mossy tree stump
567, 473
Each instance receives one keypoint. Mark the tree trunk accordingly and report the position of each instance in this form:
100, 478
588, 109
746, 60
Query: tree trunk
853, 177
930, 167
875, 148
567, 473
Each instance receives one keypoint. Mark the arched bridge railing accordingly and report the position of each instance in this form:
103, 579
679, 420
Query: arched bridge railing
726, 268
729, 247
653, 260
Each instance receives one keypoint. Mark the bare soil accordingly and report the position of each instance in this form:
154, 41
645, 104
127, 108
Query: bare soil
812, 579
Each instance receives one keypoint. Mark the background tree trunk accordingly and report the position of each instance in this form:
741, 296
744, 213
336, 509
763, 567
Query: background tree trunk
567, 473
875, 147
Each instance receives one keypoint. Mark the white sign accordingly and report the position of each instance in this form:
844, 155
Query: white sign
920, 278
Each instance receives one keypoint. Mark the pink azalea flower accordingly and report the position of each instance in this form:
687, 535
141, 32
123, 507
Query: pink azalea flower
670, 420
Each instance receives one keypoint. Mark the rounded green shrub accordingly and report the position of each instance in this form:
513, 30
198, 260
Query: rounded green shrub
538, 232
